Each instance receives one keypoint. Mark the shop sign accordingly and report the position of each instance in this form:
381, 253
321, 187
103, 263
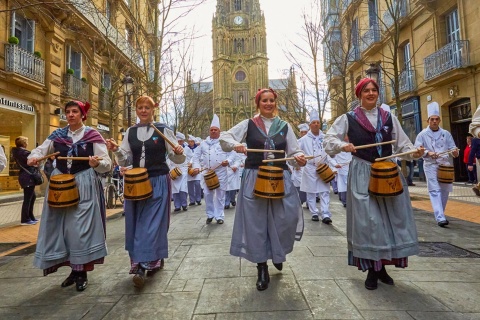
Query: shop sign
103, 127
15, 104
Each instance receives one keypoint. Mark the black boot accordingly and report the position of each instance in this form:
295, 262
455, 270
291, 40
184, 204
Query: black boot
279, 266
263, 276
384, 277
81, 281
70, 279
372, 279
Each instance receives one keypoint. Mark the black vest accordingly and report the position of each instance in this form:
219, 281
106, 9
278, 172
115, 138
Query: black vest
359, 136
155, 151
256, 140
77, 166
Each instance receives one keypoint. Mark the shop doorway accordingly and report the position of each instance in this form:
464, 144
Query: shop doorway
460, 117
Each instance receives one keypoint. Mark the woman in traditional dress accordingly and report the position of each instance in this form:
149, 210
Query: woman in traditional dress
265, 228
74, 236
147, 221
380, 230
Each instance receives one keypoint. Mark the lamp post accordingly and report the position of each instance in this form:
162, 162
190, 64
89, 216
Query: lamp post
128, 83
373, 72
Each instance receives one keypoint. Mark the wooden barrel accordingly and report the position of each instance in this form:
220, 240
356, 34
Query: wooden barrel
191, 171
175, 173
63, 191
211, 180
269, 183
445, 174
325, 172
136, 184
384, 180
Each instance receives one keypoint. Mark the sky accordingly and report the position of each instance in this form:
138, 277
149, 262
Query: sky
283, 20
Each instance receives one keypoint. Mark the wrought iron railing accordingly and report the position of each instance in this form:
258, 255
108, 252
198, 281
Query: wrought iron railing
331, 21
402, 6
103, 100
333, 71
452, 56
75, 88
407, 82
21, 61
371, 36
353, 54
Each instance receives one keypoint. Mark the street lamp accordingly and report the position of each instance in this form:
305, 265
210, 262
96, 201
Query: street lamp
128, 83
373, 72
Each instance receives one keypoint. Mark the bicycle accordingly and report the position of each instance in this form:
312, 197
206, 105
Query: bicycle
113, 191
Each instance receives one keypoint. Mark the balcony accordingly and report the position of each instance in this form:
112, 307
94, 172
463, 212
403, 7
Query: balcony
24, 63
104, 100
388, 20
353, 55
371, 36
75, 88
333, 72
331, 22
454, 55
407, 82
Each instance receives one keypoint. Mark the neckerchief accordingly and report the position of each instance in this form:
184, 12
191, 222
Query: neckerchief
382, 117
210, 141
276, 127
61, 136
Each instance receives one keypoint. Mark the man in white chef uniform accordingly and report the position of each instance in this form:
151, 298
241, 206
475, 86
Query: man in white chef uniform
214, 158
297, 172
233, 182
179, 185
435, 140
341, 162
193, 180
312, 184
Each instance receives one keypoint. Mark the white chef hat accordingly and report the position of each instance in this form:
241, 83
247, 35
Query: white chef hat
314, 116
433, 109
215, 122
180, 136
191, 138
385, 107
198, 140
303, 127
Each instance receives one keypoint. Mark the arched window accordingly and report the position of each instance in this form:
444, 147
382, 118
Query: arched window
238, 5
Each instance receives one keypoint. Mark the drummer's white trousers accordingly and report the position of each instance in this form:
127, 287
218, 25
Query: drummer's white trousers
439, 200
324, 204
215, 203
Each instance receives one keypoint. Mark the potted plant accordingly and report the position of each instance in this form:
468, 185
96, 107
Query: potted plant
84, 79
37, 54
70, 71
13, 40
102, 89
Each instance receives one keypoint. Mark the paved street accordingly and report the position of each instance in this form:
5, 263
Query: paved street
202, 281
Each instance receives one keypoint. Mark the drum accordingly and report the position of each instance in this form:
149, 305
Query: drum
63, 191
191, 171
445, 174
136, 184
269, 183
211, 180
175, 173
385, 180
325, 172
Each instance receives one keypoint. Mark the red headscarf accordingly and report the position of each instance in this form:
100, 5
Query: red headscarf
362, 84
261, 91
84, 107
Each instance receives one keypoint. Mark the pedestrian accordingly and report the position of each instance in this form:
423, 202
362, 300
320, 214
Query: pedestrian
214, 161
436, 140
147, 220
179, 184
74, 236
233, 182
297, 171
380, 230
3, 158
472, 174
25, 179
474, 163
312, 184
193, 179
474, 129
265, 228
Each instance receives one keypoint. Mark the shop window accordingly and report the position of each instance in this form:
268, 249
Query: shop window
24, 30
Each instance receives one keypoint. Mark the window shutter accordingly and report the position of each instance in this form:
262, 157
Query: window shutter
12, 24
30, 28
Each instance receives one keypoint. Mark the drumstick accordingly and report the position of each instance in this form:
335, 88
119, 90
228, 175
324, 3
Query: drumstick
265, 150
291, 158
396, 155
48, 156
343, 164
210, 169
448, 151
163, 136
76, 158
374, 144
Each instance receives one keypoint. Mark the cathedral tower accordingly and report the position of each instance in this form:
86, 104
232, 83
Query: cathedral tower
240, 63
